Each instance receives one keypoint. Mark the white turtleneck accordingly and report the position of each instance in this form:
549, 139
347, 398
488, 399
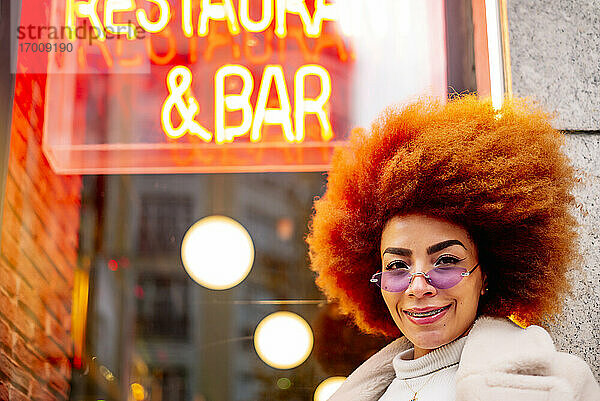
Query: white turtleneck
431, 376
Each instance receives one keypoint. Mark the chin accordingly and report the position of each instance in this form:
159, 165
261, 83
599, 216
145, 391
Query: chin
430, 340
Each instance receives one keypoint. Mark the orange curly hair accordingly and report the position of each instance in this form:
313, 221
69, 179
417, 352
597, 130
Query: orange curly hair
500, 174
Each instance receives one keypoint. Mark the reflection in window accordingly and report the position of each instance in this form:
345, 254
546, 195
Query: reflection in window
164, 219
168, 383
162, 307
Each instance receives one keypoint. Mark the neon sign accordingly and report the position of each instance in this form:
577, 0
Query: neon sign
178, 86
180, 77
223, 11
179, 81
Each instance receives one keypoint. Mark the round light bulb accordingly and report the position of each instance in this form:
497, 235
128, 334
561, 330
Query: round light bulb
217, 252
138, 392
328, 387
283, 340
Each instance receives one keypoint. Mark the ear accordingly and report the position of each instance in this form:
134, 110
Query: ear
484, 283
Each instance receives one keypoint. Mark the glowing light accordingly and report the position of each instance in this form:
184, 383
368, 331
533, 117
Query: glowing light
139, 291
167, 57
293, 7
113, 265
86, 10
179, 80
285, 228
284, 383
161, 23
232, 102
263, 23
218, 12
312, 27
264, 115
186, 18
110, 8
495, 53
328, 387
283, 340
70, 18
138, 392
108, 375
217, 252
303, 106
323, 12
79, 313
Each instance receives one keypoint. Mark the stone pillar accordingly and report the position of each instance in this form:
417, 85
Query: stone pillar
555, 59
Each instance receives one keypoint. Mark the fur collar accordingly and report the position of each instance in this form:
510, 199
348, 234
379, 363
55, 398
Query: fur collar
492, 344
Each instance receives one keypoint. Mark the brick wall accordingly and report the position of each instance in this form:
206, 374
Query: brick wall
38, 255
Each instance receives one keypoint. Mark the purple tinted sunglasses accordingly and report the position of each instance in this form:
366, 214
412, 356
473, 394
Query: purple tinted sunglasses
398, 280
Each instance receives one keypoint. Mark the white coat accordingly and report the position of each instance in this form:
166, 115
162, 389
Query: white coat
500, 361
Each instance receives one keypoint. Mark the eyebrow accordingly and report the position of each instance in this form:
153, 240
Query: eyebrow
430, 250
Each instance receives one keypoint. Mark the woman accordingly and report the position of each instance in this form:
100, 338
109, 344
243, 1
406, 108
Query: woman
438, 224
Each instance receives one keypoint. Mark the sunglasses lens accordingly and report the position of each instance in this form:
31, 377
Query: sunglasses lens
395, 280
446, 277
441, 277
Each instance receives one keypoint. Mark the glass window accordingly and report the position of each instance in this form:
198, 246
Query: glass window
96, 299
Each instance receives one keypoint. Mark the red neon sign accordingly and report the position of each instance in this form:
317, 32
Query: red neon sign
201, 86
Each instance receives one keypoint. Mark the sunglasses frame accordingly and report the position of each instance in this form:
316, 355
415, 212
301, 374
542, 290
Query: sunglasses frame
376, 278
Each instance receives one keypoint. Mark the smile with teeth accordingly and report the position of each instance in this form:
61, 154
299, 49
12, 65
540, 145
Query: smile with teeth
427, 314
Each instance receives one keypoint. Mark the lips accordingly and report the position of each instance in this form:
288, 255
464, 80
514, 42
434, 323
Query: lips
426, 315
424, 312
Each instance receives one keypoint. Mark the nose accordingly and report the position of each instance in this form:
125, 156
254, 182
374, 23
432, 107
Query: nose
419, 287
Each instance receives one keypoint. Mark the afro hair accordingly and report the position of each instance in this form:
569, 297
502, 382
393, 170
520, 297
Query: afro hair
500, 174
